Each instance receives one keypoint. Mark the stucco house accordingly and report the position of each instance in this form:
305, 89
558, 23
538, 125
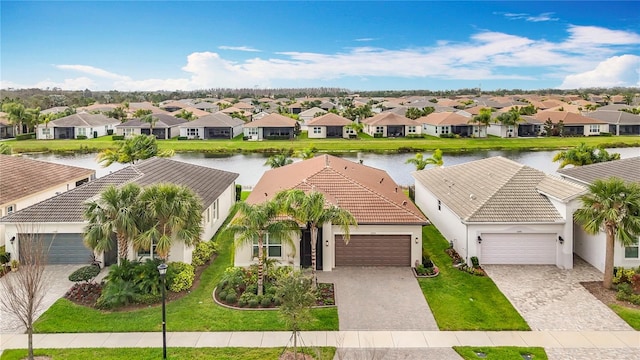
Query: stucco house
330, 126
389, 231
592, 247
620, 122
574, 124
449, 122
212, 126
501, 211
60, 222
80, 124
309, 115
272, 126
389, 124
165, 127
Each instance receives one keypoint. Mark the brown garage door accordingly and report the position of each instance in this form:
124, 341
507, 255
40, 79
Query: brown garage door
374, 250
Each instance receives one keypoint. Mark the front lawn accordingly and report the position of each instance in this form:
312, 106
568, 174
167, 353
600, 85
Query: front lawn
326, 353
461, 301
500, 352
631, 316
194, 312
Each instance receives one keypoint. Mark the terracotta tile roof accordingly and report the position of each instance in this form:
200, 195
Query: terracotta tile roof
370, 194
196, 112
207, 183
272, 120
444, 118
329, 119
566, 117
497, 189
388, 118
21, 177
625, 169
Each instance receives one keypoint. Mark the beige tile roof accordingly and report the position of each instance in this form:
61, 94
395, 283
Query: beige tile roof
370, 194
625, 169
496, 189
388, 118
21, 177
329, 119
569, 118
272, 120
82, 120
444, 118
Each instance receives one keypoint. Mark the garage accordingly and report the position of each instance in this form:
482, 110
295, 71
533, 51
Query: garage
62, 248
374, 250
518, 248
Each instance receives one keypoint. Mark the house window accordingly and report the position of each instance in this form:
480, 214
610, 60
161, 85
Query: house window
594, 128
631, 251
252, 131
11, 209
412, 129
192, 132
439, 205
128, 132
317, 130
445, 130
216, 212
379, 129
82, 131
272, 248
146, 253
46, 131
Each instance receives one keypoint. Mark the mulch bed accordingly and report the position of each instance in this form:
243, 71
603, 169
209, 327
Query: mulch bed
606, 296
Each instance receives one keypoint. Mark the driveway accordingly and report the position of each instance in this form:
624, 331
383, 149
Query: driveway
56, 285
549, 298
379, 298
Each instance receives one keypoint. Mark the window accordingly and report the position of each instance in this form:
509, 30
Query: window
252, 131
412, 129
445, 130
439, 205
82, 131
192, 132
317, 130
128, 132
146, 253
272, 248
11, 209
594, 128
631, 252
216, 213
46, 131
379, 129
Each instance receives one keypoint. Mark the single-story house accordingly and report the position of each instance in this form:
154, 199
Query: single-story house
592, 247
7, 130
574, 124
389, 230
309, 115
501, 211
60, 222
272, 126
389, 124
26, 182
620, 122
80, 124
330, 126
212, 126
196, 112
444, 123
165, 127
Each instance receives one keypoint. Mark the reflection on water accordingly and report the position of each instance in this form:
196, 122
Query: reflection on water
251, 166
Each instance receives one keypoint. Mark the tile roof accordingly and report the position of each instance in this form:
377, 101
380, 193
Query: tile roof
444, 118
311, 112
388, 118
329, 119
568, 118
272, 120
615, 117
218, 119
497, 189
207, 183
21, 177
83, 120
163, 121
370, 194
625, 169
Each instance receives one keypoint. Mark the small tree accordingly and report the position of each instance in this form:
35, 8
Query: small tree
279, 160
24, 290
421, 162
296, 298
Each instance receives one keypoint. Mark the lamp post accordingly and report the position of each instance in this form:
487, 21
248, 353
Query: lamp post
162, 269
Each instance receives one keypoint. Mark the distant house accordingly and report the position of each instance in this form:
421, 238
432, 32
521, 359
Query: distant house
80, 124
309, 114
272, 126
7, 130
574, 124
444, 123
60, 222
388, 124
165, 127
207, 106
330, 126
212, 126
196, 112
620, 122
26, 182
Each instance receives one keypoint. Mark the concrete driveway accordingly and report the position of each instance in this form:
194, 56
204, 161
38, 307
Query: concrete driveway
56, 285
379, 298
549, 298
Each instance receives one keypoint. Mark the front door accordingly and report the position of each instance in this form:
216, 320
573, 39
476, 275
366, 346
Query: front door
111, 255
305, 249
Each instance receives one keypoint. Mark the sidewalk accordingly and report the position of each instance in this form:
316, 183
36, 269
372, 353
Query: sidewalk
629, 340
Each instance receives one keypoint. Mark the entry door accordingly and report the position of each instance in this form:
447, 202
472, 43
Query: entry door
305, 249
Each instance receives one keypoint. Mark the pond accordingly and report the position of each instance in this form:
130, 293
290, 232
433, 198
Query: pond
251, 166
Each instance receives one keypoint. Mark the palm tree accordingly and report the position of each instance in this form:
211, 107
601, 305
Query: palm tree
420, 162
313, 210
510, 118
170, 213
612, 206
16, 114
584, 154
607, 99
254, 222
483, 118
152, 120
139, 147
114, 212
278, 160
306, 153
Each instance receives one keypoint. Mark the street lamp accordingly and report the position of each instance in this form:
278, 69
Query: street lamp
162, 269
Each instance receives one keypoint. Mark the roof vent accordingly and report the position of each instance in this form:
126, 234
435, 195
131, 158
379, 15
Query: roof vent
472, 196
381, 180
404, 202
265, 194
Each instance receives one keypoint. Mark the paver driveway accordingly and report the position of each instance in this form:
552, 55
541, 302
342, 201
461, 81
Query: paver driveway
549, 298
379, 298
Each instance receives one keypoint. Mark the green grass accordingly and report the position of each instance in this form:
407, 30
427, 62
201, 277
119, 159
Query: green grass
500, 352
326, 353
194, 312
631, 316
364, 143
460, 301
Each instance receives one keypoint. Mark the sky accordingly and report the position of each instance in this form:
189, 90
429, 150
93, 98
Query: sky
358, 45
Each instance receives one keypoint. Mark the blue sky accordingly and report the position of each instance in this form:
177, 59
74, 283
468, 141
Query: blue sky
170, 45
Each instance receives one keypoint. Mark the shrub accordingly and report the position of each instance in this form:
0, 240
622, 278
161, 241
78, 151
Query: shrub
203, 252
231, 298
5, 257
238, 192
447, 136
635, 283
26, 136
146, 277
85, 273
623, 275
84, 293
475, 262
248, 296
116, 293
117, 137
182, 138
180, 276
233, 278
377, 135
109, 131
147, 299
81, 137
252, 289
266, 301
222, 294
605, 134
242, 303
253, 303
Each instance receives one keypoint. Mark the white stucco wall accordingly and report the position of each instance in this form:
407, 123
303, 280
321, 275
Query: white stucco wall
200, 132
321, 135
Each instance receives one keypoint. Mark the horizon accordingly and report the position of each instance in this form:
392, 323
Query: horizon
357, 46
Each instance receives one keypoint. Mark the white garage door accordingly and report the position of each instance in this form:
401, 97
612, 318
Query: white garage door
518, 248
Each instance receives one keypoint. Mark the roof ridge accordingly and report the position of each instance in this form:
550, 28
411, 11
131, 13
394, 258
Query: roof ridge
498, 188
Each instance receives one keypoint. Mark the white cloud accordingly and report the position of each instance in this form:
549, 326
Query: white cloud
547, 16
364, 39
238, 48
90, 70
593, 36
615, 71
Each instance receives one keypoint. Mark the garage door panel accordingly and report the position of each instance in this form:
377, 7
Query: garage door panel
517, 248
374, 250
62, 248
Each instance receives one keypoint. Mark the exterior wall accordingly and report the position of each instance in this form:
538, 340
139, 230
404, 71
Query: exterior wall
371, 129
225, 202
258, 136
237, 130
418, 131
321, 135
173, 131
290, 254
601, 128
131, 132
591, 248
44, 228
200, 135
566, 210
502, 130
429, 129
40, 132
479, 131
